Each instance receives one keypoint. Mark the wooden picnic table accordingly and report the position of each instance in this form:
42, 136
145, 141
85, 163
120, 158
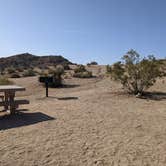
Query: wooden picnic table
9, 97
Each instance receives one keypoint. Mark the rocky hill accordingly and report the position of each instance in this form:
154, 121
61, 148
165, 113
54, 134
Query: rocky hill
27, 60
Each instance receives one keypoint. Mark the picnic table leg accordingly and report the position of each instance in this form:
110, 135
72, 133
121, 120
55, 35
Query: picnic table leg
6, 100
12, 105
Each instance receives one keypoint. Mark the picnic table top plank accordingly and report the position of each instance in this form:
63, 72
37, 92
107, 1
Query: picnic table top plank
11, 87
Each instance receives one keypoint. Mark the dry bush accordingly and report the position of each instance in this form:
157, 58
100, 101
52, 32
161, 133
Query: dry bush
79, 69
57, 76
81, 72
136, 74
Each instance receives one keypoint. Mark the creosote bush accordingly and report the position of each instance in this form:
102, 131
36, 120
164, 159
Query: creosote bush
57, 76
136, 74
81, 72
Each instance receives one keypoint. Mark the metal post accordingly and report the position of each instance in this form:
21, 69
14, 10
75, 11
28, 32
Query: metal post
46, 88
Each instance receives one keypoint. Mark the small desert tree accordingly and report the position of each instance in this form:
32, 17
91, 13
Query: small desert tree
136, 74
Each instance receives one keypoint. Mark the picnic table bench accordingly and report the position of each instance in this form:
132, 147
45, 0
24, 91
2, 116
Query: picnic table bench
8, 99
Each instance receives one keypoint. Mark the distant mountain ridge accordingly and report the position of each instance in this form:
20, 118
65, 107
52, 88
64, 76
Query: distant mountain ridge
27, 60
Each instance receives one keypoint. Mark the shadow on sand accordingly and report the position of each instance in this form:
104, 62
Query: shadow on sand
22, 119
69, 86
59, 98
64, 98
154, 95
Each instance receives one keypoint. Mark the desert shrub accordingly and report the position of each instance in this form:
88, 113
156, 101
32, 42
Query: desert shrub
79, 69
5, 81
92, 63
66, 67
59, 70
85, 74
15, 75
29, 73
81, 72
136, 74
108, 69
10, 70
57, 76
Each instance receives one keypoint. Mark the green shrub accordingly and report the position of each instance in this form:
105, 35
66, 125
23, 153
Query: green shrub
5, 81
29, 73
135, 74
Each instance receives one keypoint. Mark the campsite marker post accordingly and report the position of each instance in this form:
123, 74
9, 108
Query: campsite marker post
46, 80
46, 83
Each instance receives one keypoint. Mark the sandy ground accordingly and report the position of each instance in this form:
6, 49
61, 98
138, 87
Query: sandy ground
91, 122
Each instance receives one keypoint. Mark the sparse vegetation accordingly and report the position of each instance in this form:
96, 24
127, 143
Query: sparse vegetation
81, 72
136, 75
79, 69
29, 73
56, 74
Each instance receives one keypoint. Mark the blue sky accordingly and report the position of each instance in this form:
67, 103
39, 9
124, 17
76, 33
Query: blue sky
83, 30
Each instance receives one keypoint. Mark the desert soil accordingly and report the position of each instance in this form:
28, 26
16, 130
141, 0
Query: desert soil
90, 122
